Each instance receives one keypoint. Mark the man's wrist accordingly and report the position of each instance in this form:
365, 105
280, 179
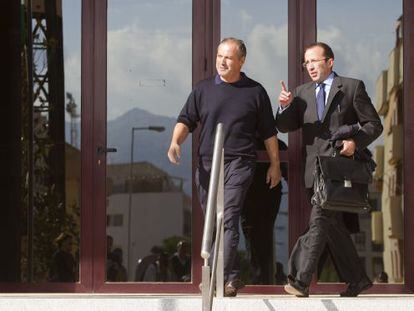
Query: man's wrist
275, 162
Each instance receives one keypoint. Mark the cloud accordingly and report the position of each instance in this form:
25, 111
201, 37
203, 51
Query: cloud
136, 55
355, 56
267, 56
267, 59
72, 70
245, 18
329, 34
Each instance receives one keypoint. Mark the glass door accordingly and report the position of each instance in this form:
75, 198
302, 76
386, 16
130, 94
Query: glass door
264, 243
148, 205
42, 147
148, 55
148, 224
375, 56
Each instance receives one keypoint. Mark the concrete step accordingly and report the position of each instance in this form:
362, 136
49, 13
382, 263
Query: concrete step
117, 302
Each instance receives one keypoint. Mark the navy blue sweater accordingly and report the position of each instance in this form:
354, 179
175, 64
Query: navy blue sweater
243, 107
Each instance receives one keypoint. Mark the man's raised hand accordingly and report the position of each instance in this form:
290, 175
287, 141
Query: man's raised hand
285, 96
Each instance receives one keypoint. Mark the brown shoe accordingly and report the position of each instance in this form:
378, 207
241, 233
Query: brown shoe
294, 289
231, 288
354, 289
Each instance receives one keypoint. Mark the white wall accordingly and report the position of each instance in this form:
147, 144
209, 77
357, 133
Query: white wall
154, 217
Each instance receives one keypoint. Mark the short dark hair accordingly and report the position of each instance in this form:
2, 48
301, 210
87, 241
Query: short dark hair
327, 51
241, 47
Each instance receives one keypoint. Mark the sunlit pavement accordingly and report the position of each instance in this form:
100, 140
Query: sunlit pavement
115, 302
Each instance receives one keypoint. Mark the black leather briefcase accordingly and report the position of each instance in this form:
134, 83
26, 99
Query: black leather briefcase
341, 184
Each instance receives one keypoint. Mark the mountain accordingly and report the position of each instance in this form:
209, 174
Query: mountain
149, 145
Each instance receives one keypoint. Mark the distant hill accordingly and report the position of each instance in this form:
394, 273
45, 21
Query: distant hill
148, 145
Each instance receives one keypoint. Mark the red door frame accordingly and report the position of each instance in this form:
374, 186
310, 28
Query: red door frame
408, 23
302, 30
206, 36
88, 74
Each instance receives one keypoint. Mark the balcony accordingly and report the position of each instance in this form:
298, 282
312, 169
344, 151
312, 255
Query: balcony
381, 103
394, 212
393, 76
401, 64
395, 144
377, 227
379, 160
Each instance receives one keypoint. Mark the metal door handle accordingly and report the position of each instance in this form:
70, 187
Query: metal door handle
105, 150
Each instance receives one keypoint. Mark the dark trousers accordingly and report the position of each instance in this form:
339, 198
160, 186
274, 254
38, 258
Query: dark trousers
257, 219
326, 228
238, 174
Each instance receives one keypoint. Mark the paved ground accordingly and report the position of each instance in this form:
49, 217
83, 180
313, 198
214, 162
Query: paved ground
115, 302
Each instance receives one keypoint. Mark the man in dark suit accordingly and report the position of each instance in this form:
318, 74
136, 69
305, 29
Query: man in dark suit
319, 108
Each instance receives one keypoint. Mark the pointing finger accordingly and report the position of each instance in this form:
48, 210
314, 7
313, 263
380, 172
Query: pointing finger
283, 86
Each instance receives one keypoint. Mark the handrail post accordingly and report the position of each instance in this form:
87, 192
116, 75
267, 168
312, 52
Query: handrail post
215, 202
205, 288
220, 226
212, 193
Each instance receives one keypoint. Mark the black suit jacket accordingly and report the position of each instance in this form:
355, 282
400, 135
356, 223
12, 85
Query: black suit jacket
348, 103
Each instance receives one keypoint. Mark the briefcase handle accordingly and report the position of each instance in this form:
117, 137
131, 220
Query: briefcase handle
336, 147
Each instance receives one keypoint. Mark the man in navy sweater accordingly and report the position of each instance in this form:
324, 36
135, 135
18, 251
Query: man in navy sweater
243, 106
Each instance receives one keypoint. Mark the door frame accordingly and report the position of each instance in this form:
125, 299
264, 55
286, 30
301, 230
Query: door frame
204, 36
302, 31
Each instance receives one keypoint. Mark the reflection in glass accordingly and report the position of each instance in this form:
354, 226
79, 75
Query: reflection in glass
264, 222
47, 195
375, 56
263, 245
264, 30
148, 199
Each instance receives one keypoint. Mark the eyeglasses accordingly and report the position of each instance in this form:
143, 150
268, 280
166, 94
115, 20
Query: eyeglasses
312, 62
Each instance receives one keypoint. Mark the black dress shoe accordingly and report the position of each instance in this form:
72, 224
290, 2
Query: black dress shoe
354, 289
294, 287
232, 287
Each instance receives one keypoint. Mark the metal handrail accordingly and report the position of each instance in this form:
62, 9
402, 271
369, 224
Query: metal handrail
212, 193
215, 206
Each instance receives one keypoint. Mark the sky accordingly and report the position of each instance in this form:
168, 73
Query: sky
71, 20
362, 34
264, 30
149, 46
